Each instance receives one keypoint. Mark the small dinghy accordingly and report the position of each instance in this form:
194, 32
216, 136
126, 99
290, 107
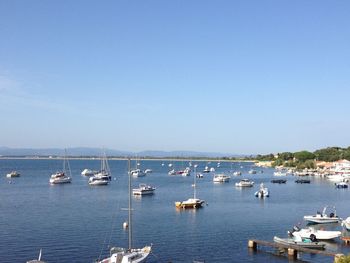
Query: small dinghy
278, 181
306, 242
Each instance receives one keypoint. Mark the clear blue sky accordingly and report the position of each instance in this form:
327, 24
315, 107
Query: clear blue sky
219, 76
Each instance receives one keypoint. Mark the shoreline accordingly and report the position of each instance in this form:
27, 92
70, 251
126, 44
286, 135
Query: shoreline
126, 158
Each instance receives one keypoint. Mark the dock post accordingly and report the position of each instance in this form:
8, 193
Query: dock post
292, 253
252, 244
337, 257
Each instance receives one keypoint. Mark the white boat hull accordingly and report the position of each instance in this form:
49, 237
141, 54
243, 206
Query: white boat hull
320, 234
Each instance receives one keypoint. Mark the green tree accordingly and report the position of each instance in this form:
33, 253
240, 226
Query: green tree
304, 155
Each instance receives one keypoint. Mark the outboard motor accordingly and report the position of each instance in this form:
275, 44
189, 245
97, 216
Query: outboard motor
313, 238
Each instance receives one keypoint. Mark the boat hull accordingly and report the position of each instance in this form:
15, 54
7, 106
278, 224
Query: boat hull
290, 241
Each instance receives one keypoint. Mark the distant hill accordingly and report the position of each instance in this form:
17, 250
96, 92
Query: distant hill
86, 151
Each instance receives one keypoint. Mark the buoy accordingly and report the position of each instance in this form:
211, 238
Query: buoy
125, 225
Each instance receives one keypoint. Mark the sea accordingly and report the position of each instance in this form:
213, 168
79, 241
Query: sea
80, 223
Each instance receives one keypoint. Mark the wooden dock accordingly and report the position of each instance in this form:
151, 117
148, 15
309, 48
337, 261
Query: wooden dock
292, 249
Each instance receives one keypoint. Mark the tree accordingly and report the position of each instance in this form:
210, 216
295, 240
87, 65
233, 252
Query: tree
304, 155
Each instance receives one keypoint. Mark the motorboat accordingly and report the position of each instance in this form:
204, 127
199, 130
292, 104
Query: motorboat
237, 173
346, 223
306, 242
279, 173
137, 173
186, 172
212, 169
37, 260
172, 172
311, 232
148, 171
13, 174
98, 181
199, 175
302, 181
192, 202
323, 218
144, 190
245, 183
341, 185
206, 170
221, 178
278, 181
335, 178
262, 192
123, 255
88, 172
252, 171
60, 178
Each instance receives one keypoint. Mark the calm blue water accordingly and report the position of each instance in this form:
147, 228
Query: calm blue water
77, 223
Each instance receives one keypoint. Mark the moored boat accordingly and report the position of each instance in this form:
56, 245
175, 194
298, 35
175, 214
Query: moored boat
306, 242
341, 185
263, 192
279, 181
143, 189
191, 202
346, 223
323, 218
245, 183
98, 181
302, 181
310, 232
13, 174
130, 255
88, 172
221, 178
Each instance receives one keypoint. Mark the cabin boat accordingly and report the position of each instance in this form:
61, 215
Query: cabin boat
88, 172
221, 178
137, 173
144, 190
60, 178
206, 170
98, 181
245, 183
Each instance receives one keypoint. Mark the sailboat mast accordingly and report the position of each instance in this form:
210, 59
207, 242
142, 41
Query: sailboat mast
194, 180
130, 215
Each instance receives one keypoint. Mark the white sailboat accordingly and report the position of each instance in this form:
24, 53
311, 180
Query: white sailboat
104, 175
36, 260
191, 202
129, 255
64, 176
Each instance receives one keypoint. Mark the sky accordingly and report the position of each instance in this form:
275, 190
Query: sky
242, 77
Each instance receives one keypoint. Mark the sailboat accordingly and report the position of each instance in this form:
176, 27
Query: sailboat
191, 202
62, 177
104, 175
137, 172
130, 255
36, 260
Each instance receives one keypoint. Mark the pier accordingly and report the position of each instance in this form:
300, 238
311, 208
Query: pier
292, 250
